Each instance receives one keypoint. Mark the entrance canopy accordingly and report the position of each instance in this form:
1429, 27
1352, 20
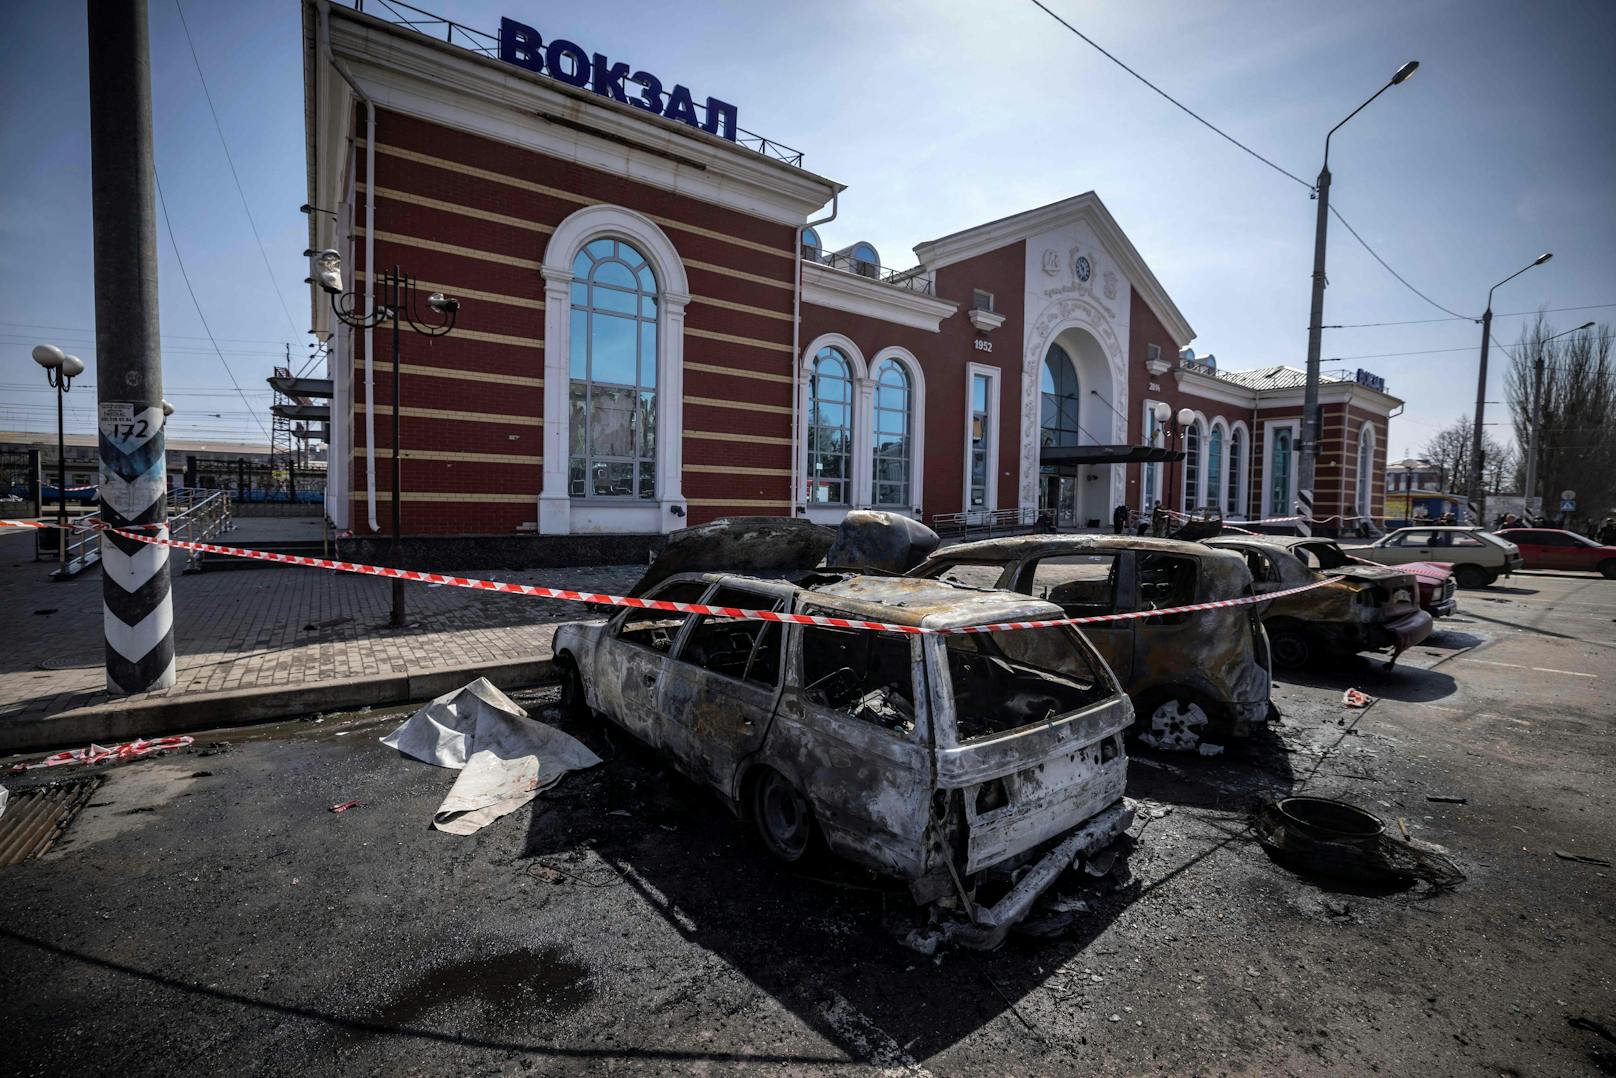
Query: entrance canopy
1107, 454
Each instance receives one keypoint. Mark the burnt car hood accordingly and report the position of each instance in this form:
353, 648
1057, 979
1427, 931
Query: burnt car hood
1369, 574
866, 541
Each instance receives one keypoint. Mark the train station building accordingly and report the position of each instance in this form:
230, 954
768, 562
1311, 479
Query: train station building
656, 330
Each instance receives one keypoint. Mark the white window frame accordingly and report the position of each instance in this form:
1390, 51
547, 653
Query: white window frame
559, 512
1364, 478
862, 465
1240, 480
1219, 425
917, 430
1184, 505
991, 501
1270, 428
1148, 416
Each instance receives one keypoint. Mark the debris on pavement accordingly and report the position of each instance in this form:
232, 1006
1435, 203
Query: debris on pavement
40, 816
1356, 698
1566, 855
1321, 836
1448, 799
97, 754
345, 806
504, 757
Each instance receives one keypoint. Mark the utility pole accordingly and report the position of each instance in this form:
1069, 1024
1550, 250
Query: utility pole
139, 616
1534, 444
1477, 495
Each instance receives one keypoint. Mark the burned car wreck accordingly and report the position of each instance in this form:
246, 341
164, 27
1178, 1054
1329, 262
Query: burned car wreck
975, 767
1189, 675
1362, 608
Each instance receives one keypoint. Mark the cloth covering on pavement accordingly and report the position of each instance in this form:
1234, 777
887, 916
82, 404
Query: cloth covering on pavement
504, 757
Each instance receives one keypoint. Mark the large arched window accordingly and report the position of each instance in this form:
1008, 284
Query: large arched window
1059, 389
1279, 473
613, 359
1237, 462
1214, 467
893, 425
830, 429
1192, 465
1366, 467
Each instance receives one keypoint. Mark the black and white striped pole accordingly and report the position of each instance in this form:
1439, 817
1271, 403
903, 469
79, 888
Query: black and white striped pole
138, 616
1304, 512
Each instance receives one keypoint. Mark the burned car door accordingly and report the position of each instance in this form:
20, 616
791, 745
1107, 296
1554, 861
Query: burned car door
1084, 585
718, 690
852, 731
628, 663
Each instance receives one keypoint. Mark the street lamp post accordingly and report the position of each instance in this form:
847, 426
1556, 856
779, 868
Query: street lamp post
1173, 427
1533, 443
60, 370
1308, 458
1478, 496
395, 298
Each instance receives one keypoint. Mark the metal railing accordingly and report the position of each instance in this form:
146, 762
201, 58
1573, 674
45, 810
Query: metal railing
485, 44
194, 514
991, 522
914, 280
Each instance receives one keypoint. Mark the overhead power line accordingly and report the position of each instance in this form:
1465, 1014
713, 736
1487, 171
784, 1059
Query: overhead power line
1387, 266
217, 126
1209, 125
1464, 318
186, 277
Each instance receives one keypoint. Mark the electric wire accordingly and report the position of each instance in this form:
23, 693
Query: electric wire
217, 126
1173, 100
1387, 266
186, 277
1466, 318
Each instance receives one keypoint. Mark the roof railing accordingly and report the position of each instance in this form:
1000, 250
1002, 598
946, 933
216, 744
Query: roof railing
915, 279
485, 44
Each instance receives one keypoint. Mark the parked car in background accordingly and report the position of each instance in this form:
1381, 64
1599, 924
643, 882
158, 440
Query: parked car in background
1359, 608
1478, 557
1189, 675
1435, 579
1554, 548
953, 762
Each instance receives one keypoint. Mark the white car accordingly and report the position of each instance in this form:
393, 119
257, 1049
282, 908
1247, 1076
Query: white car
1478, 557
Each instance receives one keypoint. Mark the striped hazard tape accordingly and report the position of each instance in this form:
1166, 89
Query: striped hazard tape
599, 599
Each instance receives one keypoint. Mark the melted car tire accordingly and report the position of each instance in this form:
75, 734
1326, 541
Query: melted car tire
574, 700
781, 816
1291, 647
1473, 576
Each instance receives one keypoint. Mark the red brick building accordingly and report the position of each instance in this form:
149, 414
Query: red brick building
651, 334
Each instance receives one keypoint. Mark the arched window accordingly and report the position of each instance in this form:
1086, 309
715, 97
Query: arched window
830, 429
613, 369
1366, 466
1058, 412
1214, 467
1237, 460
1150, 473
893, 424
1279, 483
1192, 465
811, 247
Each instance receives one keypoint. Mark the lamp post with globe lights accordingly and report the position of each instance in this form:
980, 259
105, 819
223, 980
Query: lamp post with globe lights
60, 370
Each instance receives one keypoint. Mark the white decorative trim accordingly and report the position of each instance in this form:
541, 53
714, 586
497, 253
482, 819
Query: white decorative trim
985, 321
1212, 389
994, 413
1156, 471
1218, 425
958, 246
559, 512
917, 426
1199, 422
1242, 493
859, 423
839, 290
1363, 499
1076, 312
1268, 509
422, 76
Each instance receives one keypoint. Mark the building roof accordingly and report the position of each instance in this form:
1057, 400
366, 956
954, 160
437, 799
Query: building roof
1280, 377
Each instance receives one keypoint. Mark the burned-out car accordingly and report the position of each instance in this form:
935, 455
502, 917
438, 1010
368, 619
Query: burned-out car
1359, 608
977, 767
1195, 674
1435, 580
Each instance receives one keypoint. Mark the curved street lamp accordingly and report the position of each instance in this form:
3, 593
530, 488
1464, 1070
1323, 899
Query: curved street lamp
1478, 496
60, 370
395, 298
1315, 325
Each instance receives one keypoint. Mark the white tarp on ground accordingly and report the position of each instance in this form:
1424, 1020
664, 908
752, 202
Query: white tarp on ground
504, 757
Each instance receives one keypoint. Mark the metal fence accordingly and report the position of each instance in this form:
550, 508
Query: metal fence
256, 480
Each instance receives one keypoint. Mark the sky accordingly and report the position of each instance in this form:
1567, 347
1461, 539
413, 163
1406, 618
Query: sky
938, 116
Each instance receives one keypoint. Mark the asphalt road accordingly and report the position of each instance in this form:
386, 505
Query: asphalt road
208, 914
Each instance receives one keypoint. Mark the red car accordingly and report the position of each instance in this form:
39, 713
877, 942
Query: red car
1551, 548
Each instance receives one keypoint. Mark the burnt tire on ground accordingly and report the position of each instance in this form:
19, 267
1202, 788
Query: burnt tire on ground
1473, 576
780, 815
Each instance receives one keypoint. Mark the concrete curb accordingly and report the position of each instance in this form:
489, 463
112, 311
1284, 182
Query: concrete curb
111, 723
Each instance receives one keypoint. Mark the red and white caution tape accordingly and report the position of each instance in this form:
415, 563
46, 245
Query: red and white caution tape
97, 754
537, 592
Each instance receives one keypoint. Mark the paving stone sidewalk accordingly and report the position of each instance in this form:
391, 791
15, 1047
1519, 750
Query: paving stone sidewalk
271, 626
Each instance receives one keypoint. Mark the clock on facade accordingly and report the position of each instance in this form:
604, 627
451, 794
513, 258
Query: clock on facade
1084, 270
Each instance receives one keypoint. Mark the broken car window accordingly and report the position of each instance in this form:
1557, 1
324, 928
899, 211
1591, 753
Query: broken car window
736, 647
656, 629
1004, 681
970, 574
867, 675
1078, 583
1166, 580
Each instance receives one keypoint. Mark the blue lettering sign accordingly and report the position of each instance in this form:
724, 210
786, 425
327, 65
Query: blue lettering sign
564, 61
1373, 381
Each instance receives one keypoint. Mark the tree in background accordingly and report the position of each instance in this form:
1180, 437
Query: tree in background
1449, 450
1577, 450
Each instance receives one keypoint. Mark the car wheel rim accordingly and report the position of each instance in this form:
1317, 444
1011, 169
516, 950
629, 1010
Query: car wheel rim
1288, 651
1176, 725
784, 818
